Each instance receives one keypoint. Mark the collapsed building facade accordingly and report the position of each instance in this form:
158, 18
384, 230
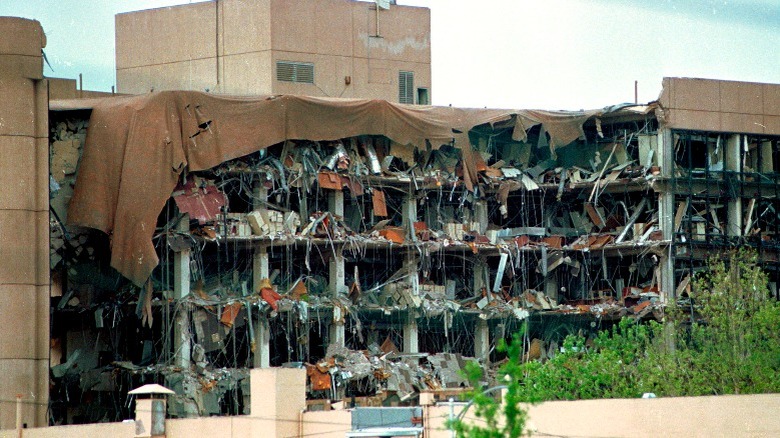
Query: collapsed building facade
378, 245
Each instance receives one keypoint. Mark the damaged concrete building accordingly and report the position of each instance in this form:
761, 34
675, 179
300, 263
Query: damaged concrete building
375, 244
184, 238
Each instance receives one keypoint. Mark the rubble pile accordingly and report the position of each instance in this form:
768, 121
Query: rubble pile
65, 149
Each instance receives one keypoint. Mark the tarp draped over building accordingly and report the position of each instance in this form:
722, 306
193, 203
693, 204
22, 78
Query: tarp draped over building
137, 147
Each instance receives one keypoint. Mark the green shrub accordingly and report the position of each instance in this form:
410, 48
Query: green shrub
729, 344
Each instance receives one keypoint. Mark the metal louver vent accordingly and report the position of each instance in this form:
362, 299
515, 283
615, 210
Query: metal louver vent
295, 72
406, 87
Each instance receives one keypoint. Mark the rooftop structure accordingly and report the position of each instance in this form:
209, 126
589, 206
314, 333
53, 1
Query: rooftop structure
330, 48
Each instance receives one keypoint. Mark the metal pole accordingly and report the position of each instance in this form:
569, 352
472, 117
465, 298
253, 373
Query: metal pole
452, 417
636, 92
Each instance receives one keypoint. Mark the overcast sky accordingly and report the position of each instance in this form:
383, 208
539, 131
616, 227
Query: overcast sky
550, 54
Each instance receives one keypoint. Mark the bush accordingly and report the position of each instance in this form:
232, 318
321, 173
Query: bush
728, 344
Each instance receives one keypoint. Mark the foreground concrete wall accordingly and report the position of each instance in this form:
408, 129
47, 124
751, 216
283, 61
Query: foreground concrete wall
232, 46
327, 424
24, 223
722, 416
728, 415
77, 431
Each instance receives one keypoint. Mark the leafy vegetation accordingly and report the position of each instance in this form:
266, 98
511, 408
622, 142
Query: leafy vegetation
501, 420
727, 343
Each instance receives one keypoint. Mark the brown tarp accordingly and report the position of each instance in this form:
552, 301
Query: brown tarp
137, 146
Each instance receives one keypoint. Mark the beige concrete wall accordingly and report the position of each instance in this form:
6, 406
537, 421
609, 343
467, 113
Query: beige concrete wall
167, 48
77, 431
245, 64
327, 424
726, 416
371, 55
232, 47
716, 416
225, 427
24, 223
725, 106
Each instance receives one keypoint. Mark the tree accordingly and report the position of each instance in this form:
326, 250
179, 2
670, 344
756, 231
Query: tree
727, 342
502, 419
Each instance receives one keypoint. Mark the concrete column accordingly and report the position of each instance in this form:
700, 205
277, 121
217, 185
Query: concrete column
24, 223
262, 354
260, 270
667, 285
666, 207
481, 216
337, 334
337, 273
409, 216
551, 287
181, 289
480, 276
734, 209
336, 202
411, 334
482, 340
767, 161
666, 212
337, 286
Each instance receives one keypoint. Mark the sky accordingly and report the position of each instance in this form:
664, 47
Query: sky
546, 54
